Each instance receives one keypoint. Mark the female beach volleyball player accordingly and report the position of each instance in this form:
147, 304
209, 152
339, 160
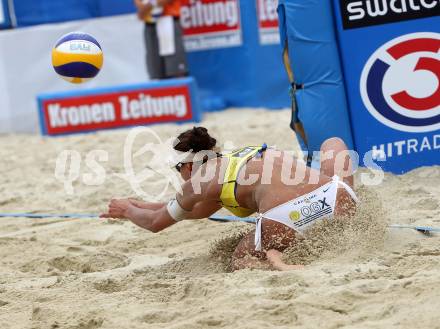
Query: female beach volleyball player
251, 179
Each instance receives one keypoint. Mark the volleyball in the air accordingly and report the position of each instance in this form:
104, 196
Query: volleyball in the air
77, 57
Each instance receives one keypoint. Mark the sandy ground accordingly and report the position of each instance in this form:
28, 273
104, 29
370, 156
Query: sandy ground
89, 273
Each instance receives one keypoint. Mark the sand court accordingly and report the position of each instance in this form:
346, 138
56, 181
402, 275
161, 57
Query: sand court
89, 273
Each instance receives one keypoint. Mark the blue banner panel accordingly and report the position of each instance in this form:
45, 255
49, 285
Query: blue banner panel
307, 28
30, 12
391, 64
115, 7
246, 74
173, 100
5, 21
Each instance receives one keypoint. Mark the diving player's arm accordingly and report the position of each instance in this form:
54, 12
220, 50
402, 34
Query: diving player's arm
146, 205
158, 220
188, 205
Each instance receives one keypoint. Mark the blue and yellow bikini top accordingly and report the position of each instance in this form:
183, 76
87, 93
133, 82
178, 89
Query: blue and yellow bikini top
236, 160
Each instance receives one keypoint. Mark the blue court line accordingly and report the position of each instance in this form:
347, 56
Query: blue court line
36, 215
422, 229
31, 215
217, 218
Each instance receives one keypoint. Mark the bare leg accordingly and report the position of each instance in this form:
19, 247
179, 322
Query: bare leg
335, 160
275, 236
245, 255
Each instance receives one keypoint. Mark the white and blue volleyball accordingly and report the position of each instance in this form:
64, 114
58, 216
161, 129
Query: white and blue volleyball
77, 57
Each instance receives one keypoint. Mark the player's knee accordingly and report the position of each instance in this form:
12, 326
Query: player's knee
334, 143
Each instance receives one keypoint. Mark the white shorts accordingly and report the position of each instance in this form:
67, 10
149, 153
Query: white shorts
304, 211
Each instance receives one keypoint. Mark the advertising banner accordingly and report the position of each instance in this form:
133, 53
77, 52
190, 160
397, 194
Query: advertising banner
356, 13
268, 22
91, 110
391, 58
210, 24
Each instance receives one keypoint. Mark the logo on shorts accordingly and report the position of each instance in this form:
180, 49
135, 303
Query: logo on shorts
400, 83
311, 212
295, 216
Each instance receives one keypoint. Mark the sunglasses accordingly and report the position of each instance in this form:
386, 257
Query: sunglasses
178, 166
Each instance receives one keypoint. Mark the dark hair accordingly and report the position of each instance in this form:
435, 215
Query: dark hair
195, 139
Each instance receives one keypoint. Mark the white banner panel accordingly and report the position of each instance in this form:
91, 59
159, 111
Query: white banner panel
26, 69
211, 24
268, 22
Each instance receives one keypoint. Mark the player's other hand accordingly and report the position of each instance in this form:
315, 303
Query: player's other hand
117, 208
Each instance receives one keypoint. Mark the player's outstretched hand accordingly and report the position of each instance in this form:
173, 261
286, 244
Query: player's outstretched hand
117, 208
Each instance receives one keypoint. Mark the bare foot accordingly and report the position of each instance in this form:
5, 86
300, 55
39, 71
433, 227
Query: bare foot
250, 263
275, 258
